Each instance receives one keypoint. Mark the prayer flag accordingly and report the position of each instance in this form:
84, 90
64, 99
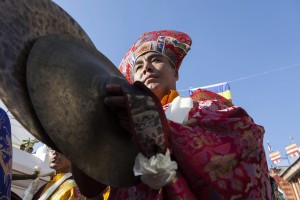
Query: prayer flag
292, 150
222, 89
270, 148
275, 157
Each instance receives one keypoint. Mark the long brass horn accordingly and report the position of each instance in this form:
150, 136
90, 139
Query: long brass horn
35, 174
24, 176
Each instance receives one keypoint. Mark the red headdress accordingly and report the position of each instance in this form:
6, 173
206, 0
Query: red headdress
172, 44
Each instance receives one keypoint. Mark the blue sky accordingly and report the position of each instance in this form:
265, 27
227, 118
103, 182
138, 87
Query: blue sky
231, 40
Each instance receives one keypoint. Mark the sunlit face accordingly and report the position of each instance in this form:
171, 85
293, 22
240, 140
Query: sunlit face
59, 162
156, 72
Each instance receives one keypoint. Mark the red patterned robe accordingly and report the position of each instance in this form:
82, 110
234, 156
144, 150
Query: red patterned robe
219, 152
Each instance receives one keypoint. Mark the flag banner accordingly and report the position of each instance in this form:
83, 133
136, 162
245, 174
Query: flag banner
222, 89
292, 150
270, 148
275, 157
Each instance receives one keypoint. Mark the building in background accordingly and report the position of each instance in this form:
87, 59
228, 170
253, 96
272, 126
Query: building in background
288, 177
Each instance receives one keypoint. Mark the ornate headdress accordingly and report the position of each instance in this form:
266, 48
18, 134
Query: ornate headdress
172, 44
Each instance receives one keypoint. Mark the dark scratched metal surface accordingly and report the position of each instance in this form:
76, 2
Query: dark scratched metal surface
66, 80
69, 115
21, 23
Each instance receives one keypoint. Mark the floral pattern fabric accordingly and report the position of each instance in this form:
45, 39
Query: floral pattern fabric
5, 156
220, 151
220, 154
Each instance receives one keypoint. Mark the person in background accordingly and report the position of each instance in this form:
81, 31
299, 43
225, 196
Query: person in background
215, 150
62, 186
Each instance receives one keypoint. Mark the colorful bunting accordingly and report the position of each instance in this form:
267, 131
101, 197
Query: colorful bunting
275, 157
292, 150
